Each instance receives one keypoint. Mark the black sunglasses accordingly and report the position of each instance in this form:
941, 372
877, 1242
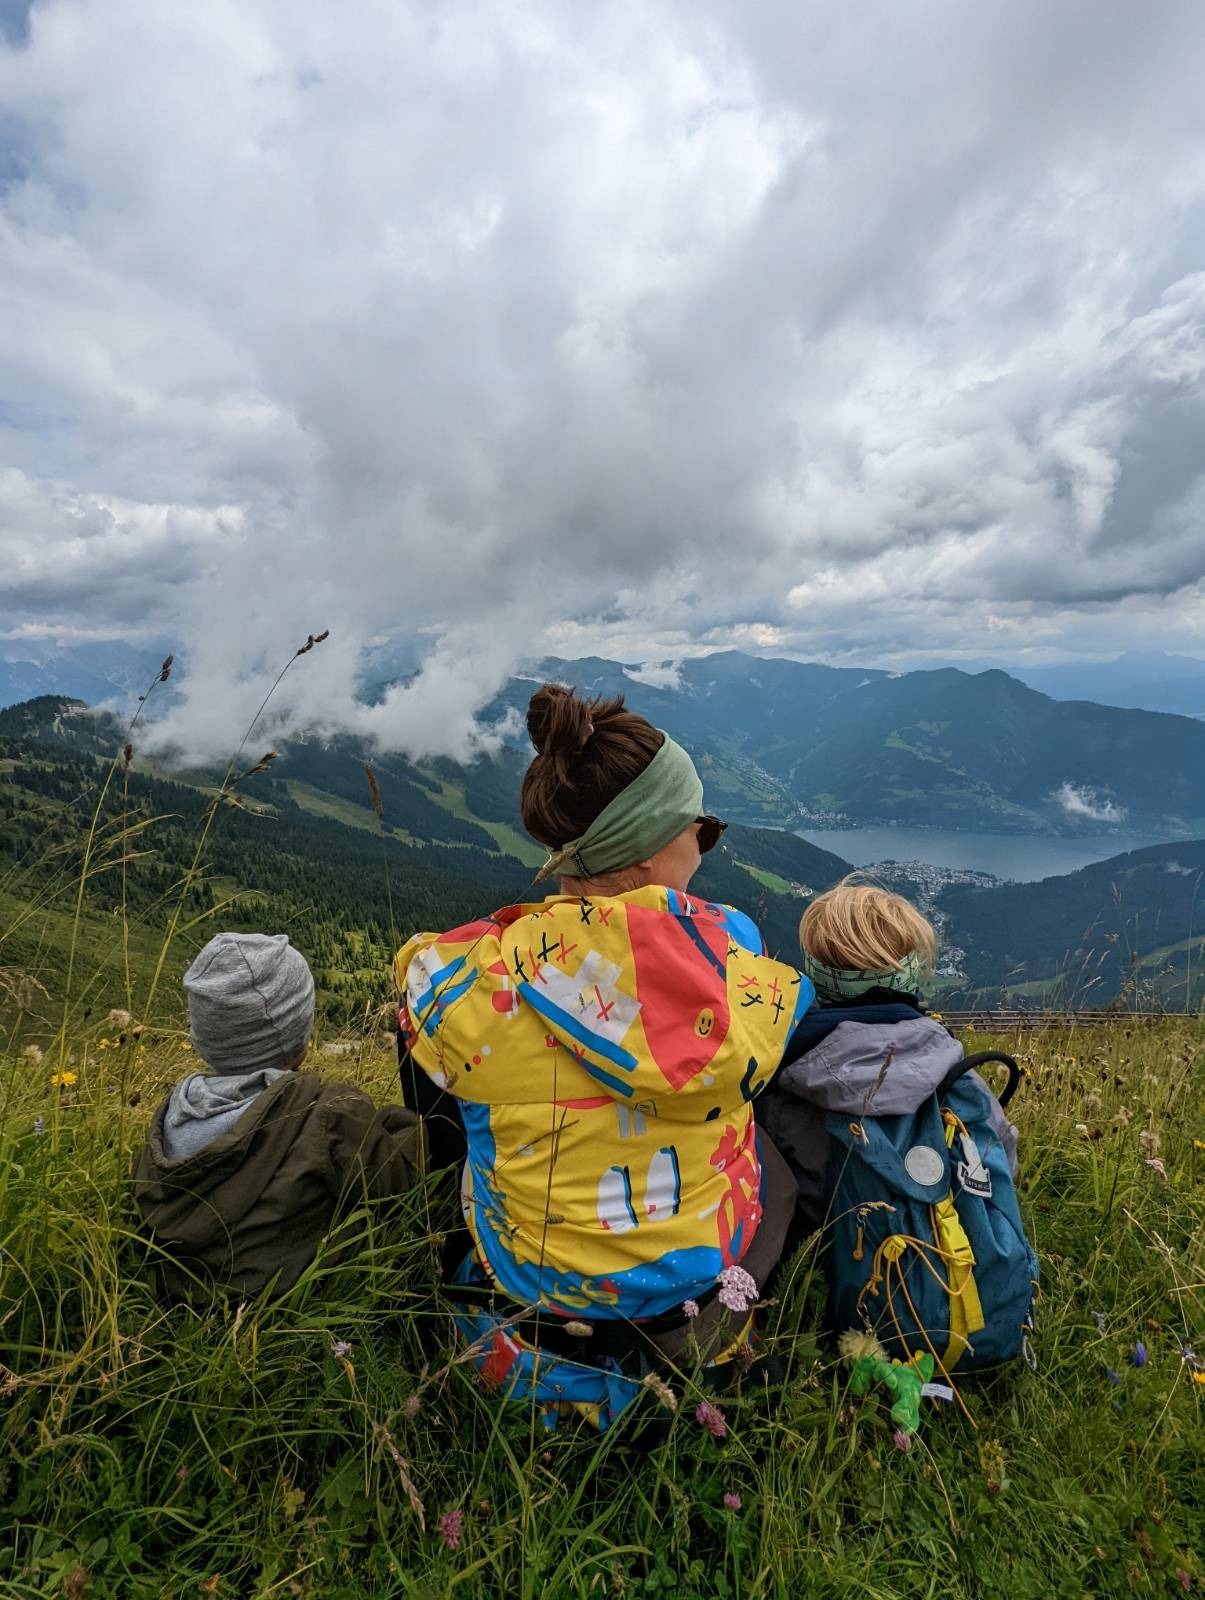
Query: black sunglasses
708, 836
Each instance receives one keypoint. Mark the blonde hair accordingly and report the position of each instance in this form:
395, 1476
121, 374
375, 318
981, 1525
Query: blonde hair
861, 926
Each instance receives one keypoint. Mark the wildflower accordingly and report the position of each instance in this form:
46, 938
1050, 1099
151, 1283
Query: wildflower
1099, 1318
184, 1045
657, 1385
711, 1418
450, 1522
738, 1289
1198, 1377
119, 1017
341, 1348
39, 1125
413, 1405
1198, 1144
1113, 1375
1092, 1104
901, 1440
33, 1053
1139, 1356
732, 1501
1183, 1579
1084, 1131
690, 1308
1149, 1140
62, 1080
1154, 1163
854, 1344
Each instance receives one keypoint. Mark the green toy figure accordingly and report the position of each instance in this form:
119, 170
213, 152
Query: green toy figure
904, 1381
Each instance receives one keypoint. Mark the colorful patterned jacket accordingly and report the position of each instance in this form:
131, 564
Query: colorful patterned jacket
605, 1054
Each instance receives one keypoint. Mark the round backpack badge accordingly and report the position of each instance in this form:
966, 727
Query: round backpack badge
924, 1165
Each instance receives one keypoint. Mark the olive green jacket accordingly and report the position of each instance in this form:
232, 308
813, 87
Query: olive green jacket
250, 1210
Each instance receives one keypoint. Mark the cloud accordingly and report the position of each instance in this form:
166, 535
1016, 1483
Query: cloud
1078, 800
657, 674
654, 328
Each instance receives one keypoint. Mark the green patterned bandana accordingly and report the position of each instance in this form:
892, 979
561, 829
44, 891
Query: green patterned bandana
835, 984
654, 808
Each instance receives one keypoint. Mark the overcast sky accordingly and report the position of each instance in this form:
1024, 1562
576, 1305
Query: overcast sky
865, 333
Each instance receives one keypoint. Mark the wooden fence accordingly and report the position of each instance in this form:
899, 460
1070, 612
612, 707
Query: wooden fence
1018, 1021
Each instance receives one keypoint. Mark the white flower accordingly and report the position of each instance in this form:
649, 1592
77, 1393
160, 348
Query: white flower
738, 1289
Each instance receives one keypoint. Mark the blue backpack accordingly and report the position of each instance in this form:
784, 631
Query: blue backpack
927, 1248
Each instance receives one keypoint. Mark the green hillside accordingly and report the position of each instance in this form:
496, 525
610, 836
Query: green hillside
1129, 930
303, 850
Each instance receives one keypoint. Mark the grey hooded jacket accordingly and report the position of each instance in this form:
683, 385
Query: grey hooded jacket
860, 1069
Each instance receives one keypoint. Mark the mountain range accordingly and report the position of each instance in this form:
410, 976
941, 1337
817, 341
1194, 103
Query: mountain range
1144, 680
307, 849
790, 743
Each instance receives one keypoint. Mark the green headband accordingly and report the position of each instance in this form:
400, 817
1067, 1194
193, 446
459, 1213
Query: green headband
848, 983
654, 808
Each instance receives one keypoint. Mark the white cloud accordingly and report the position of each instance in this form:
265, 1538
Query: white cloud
657, 674
1080, 800
652, 327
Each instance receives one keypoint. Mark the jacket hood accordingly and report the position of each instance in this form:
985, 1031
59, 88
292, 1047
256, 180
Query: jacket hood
873, 1068
231, 1173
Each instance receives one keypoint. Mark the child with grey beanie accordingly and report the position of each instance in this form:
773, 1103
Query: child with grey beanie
247, 1166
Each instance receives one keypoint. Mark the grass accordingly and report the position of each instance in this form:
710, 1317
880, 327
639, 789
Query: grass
768, 879
152, 1453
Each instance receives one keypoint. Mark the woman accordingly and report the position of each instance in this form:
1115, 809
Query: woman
604, 1046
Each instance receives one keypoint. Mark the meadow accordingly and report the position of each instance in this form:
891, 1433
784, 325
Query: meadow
333, 1445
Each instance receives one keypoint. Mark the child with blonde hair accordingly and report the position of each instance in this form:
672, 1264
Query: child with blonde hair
869, 1047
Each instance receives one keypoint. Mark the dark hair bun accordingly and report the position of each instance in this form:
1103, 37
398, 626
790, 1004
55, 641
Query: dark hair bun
558, 723
587, 750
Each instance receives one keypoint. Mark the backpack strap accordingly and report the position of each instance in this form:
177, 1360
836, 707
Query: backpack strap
979, 1059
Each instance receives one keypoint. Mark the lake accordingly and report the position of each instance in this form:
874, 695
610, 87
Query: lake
1023, 856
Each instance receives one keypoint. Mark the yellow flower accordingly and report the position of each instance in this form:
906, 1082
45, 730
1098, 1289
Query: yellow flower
102, 1044
184, 1045
1198, 1144
62, 1080
1198, 1377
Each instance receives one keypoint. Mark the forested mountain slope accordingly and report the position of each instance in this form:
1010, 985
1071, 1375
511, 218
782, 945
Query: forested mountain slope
1129, 930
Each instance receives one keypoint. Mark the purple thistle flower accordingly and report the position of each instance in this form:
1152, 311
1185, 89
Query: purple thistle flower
690, 1308
412, 1406
1139, 1356
1113, 1375
711, 1418
1099, 1318
450, 1525
341, 1348
732, 1501
901, 1440
1183, 1579
738, 1289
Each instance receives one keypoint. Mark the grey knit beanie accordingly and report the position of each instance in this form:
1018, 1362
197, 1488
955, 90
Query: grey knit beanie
250, 1001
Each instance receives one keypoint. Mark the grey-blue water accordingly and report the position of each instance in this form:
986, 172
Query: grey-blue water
1021, 856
